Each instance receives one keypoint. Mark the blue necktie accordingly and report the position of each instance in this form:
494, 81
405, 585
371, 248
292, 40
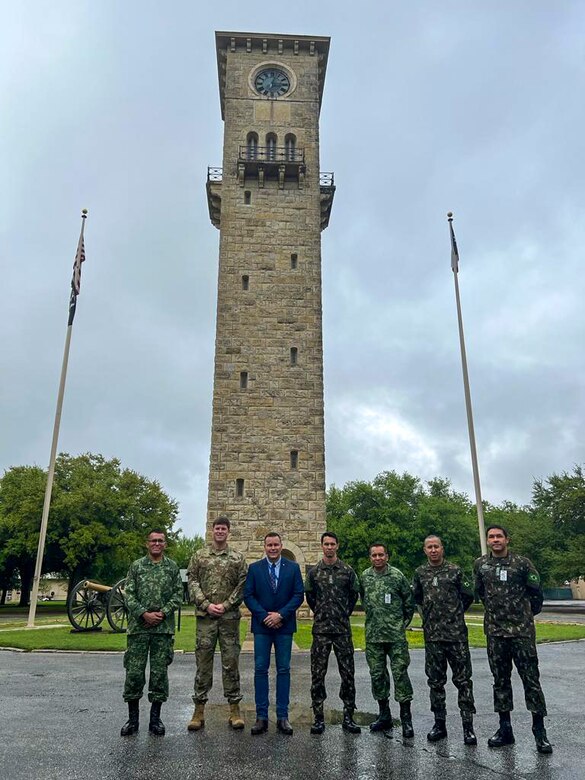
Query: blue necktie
272, 575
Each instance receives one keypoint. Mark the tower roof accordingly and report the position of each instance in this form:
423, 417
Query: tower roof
274, 43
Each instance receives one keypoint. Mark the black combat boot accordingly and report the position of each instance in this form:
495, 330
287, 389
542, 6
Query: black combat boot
469, 737
348, 723
131, 725
156, 726
384, 720
439, 730
539, 731
504, 735
406, 720
318, 726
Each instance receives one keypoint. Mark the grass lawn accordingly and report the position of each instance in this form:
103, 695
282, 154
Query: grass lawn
63, 639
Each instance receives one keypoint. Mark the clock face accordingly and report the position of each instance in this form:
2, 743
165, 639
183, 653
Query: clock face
272, 82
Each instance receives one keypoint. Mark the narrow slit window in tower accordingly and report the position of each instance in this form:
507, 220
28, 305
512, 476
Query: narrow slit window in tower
243, 380
239, 488
245, 282
247, 197
294, 260
294, 459
294, 353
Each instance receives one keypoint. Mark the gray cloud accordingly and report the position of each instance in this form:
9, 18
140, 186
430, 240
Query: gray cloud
470, 107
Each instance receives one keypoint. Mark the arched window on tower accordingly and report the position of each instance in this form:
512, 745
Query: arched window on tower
271, 146
290, 147
252, 146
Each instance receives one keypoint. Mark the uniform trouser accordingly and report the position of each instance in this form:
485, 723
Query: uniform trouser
210, 631
456, 654
522, 651
320, 651
139, 646
376, 653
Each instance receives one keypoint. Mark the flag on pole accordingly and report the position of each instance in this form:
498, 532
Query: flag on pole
76, 278
454, 250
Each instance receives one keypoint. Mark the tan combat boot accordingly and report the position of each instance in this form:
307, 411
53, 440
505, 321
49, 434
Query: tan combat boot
236, 720
198, 720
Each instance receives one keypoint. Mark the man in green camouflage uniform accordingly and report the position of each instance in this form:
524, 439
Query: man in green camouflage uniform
443, 594
153, 592
332, 589
510, 589
216, 576
389, 607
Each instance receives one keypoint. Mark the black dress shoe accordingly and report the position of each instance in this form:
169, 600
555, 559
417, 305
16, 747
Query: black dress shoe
503, 736
260, 727
284, 726
439, 731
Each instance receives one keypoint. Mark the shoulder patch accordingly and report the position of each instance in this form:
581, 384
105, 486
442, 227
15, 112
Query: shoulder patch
533, 577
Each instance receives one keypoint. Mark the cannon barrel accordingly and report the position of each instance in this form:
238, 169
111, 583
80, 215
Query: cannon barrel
96, 586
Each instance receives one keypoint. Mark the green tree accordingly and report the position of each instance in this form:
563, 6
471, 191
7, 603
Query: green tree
98, 519
400, 511
181, 548
560, 500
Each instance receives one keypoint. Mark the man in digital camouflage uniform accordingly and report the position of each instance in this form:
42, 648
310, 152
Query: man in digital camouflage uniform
389, 607
216, 577
331, 590
510, 589
153, 592
443, 594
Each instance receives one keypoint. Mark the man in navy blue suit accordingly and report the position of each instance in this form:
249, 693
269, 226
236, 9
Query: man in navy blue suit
273, 593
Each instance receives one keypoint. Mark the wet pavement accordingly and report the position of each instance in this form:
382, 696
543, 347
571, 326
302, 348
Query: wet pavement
61, 714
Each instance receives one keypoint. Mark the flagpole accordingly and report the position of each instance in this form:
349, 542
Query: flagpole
51, 472
468, 407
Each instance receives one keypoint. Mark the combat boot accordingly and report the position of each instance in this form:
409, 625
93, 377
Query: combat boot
198, 718
406, 720
539, 731
131, 725
504, 735
156, 726
469, 737
348, 723
236, 720
318, 726
384, 720
439, 730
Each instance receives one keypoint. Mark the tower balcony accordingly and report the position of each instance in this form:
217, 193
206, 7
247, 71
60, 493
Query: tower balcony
327, 188
215, 177
281, 163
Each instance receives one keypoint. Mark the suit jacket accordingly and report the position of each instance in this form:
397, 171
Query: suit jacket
261, 599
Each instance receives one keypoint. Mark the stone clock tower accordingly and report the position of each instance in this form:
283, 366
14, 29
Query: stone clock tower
270, 202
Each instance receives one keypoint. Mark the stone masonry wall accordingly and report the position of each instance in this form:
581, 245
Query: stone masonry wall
255, 429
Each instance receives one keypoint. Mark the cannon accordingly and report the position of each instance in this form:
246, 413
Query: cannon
89, 602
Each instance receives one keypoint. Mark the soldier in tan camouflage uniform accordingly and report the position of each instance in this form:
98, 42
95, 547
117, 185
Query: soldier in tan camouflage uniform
153, 592
216, 577
389, 607
331, 590
443, 594
510, 589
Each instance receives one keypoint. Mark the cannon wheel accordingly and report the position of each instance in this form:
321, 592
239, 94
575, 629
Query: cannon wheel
117, 611
85, 607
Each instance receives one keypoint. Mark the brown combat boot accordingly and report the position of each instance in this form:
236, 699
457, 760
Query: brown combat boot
198, 720
236, 720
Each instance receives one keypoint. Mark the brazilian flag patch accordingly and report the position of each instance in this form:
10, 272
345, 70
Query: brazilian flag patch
533, 578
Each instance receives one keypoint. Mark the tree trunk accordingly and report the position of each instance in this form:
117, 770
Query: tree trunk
26, 578
3, 597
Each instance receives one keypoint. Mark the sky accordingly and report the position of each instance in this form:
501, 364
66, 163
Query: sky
463, 106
